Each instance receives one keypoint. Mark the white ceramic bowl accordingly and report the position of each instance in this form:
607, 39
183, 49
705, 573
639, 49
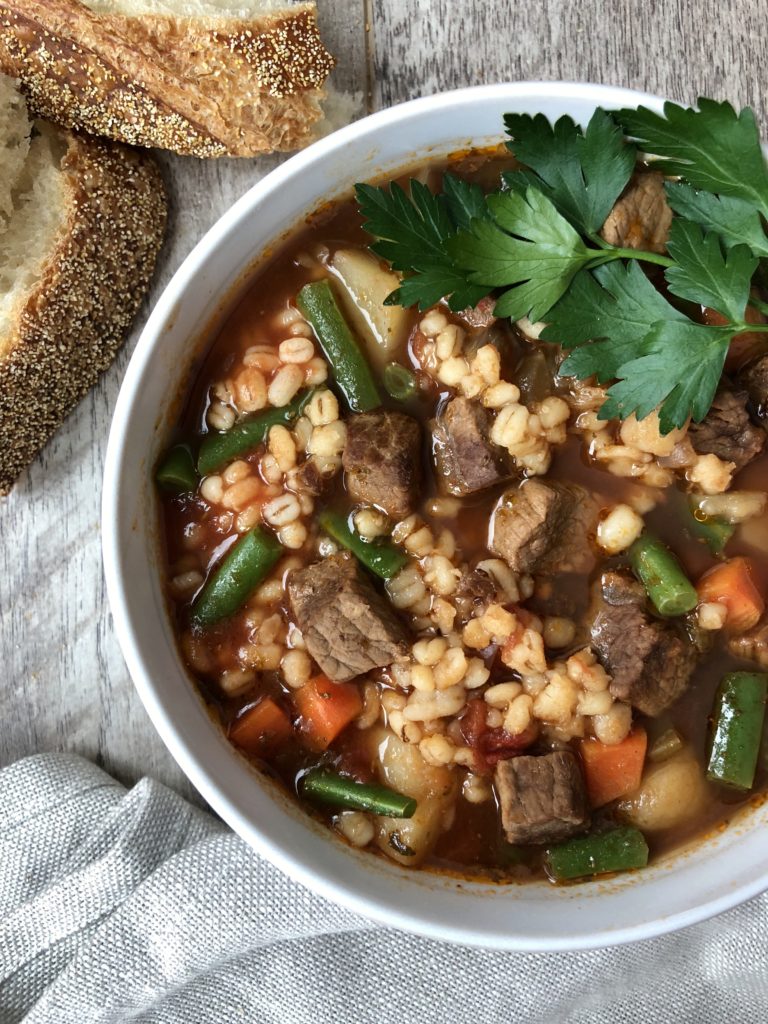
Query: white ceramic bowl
688, 887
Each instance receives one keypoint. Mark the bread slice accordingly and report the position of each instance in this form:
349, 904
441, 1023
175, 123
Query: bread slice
198, 77
84, 222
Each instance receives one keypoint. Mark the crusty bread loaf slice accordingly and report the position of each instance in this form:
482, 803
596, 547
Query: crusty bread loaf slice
194, 76
77, 250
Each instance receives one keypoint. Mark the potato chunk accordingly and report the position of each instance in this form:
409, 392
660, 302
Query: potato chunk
366, 284
410, 840
670, 794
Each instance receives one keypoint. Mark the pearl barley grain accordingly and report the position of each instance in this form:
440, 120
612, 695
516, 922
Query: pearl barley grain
620, 528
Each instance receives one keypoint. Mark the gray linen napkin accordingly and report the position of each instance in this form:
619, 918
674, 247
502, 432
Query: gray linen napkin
131, 905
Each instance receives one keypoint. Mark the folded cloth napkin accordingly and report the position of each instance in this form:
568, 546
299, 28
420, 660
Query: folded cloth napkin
132, 905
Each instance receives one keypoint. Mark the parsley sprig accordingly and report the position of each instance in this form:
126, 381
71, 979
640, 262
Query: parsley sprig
535, 243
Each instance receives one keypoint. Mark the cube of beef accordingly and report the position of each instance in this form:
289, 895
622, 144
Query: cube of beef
542, 798
544, 527
348, 627
755, 379
382, 460
641, 216
465, 459
650, 662
727, 431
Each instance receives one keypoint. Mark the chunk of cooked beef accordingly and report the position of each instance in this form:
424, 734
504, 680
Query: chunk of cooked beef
475, 591
752, 645
382, 460
544, 527
465, 459
641, 216
543, 799
727, 431
348, 627
650, 662
755, 379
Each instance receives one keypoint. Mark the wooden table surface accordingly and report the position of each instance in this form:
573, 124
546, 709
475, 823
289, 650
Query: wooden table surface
63, 684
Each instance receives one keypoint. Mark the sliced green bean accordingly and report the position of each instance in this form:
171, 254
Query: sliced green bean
220, 448
176, 472
381, 557
236, 577
670, 590
399, 381
737, 729
713, 531
350, 368
620, 849
340, 791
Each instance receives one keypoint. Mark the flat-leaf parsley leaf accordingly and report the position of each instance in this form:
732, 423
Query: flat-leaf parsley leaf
704, 274
527, 244
713, 148
735, 220
613, 307
678, 368
582, 173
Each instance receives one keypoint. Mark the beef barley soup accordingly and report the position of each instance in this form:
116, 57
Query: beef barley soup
467, 620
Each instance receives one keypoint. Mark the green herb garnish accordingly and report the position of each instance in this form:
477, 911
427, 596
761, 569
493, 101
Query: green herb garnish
535, 244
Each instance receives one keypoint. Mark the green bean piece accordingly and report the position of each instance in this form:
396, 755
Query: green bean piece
350, 367
713, 531
670, 590
399, 381
328, 787
381, 557
218, 449
236, 577
620, 849
737, 729
176, 473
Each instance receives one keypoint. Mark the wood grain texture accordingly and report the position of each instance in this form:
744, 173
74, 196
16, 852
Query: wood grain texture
63, 684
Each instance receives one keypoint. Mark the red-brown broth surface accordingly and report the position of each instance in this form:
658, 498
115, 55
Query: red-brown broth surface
474, 844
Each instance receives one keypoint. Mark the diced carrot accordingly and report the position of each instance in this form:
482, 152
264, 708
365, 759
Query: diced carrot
326, 708
613, 770
731, 584
261, 728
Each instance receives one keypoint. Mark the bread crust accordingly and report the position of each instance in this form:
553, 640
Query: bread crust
204, 87
68, 329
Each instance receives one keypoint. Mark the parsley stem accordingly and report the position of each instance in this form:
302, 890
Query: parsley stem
611, 252
742, 327
646, 257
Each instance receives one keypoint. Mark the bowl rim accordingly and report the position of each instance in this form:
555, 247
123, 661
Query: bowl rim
161, 715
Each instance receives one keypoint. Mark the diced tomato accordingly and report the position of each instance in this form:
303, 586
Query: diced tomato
731, 584
491, 745
613, 770
261, 728
326, 708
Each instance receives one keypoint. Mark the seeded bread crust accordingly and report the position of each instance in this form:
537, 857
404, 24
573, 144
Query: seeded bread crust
199, 86
66, 331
